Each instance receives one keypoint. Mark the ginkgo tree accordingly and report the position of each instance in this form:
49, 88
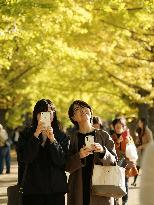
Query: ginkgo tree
99, 51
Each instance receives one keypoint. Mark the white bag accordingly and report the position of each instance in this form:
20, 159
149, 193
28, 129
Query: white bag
108, 181
131, 152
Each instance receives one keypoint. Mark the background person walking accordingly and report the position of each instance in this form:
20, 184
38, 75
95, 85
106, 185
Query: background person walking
4, 150
143, 138
121, 138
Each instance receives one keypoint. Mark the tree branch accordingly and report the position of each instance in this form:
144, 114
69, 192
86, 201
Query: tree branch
13, 80
134, 9
136, 58
125, 82
133, 32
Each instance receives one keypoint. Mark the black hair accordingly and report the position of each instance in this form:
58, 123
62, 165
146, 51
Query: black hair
144, 121
97, 120
145, 124
118, 120
71, 110
42, 106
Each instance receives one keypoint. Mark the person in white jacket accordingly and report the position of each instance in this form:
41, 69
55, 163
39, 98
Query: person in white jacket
4, 150
147, 178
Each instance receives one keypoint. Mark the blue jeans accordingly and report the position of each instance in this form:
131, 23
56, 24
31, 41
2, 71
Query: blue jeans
125, 198
5, 157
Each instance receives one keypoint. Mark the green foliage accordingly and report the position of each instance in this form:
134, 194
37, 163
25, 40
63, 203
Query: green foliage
98, 51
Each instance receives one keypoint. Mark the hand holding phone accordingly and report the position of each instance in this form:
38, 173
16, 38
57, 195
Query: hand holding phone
97, 147
39, 128
84, 152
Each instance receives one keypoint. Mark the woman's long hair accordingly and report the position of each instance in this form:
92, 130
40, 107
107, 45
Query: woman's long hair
140, 131
145, 124
42, 106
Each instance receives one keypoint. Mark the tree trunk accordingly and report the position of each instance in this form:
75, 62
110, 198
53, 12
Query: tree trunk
2, 117
151, 119
143, 111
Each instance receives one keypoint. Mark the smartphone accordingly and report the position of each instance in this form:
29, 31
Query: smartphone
89, 140
46, 119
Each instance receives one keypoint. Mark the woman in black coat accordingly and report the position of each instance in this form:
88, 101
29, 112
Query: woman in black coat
41, 158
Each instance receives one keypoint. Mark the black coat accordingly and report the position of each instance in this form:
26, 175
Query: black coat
45, 164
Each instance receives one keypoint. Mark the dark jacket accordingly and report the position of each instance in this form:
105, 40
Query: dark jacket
45, 165
74, 166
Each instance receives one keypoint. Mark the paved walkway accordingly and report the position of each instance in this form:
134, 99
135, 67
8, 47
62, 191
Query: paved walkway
10, 179
7, 180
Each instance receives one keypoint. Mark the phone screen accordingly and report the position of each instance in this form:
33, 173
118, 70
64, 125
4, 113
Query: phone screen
89, 140
46, 119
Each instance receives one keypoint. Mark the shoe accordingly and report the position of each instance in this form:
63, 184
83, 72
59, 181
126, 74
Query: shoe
116, 202
133, 184
7, 172
124, 203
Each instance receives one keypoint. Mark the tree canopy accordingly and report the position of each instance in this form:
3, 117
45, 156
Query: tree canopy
98, 51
